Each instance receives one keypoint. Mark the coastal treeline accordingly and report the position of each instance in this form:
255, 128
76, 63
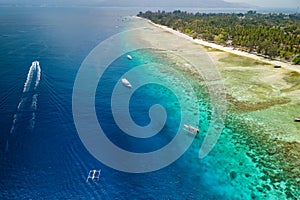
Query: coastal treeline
276, 36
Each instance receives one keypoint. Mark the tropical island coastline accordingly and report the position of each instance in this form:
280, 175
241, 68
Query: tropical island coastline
101, 69
262, 103
232, 50
272, 38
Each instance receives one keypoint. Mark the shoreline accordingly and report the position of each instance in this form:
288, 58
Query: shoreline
255, 87
226, 49
262, 100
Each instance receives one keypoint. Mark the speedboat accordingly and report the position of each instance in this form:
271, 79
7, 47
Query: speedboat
126, 83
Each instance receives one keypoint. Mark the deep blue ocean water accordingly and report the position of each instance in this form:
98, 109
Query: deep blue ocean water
46, 160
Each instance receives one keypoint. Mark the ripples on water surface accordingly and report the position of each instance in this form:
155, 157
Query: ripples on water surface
48, 159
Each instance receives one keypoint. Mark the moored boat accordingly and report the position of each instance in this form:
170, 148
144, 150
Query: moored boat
129, 57
191, 128
297, 119
126, 83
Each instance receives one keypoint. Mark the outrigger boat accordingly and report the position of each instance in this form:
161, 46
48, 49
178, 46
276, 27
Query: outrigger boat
191, 129
94, 175
126, 83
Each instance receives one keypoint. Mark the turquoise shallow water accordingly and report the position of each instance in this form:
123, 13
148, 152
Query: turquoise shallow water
49, 161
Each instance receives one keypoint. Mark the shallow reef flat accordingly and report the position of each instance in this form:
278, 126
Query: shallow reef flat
262, 103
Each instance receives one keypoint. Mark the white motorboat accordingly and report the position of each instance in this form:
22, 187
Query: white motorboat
126, 83
129, 57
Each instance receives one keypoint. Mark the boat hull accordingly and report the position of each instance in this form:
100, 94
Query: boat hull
126, 83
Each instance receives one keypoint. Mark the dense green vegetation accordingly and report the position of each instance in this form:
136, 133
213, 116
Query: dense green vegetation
271, 35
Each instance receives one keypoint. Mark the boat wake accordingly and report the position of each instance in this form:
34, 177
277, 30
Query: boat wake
27, 107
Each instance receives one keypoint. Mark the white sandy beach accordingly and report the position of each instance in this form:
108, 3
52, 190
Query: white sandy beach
230, 49
252, 84
259, 96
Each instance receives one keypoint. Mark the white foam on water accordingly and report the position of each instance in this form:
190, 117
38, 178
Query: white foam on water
32, 121
29, 77
15, 118
34, 71
21, 104
12, 129
38, 75
34, 68
34, 102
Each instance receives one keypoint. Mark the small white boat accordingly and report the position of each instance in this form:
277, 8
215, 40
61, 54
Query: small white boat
126, 83
129, 57
191, 129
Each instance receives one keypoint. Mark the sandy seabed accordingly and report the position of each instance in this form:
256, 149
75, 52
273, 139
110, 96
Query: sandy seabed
260, 99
